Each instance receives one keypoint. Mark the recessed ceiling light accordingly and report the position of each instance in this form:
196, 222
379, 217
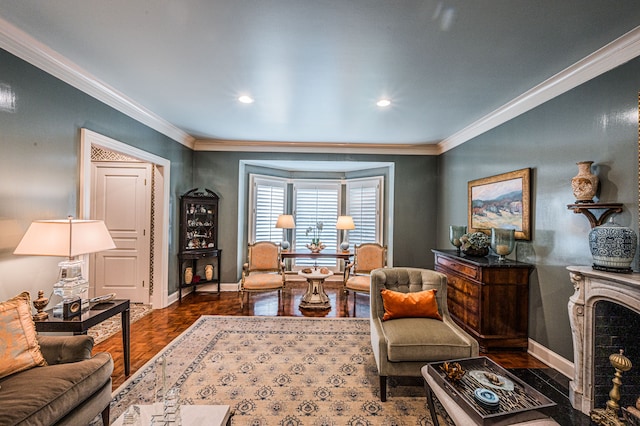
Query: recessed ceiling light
246, 99
383, 103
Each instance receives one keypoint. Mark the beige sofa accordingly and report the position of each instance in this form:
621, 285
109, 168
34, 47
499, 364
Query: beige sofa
71, 390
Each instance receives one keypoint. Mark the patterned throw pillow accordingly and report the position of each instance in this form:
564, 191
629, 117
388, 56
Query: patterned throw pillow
19, 349
420, 304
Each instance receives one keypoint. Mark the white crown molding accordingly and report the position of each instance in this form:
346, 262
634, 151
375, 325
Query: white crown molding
22, 45
616, 53
315, 147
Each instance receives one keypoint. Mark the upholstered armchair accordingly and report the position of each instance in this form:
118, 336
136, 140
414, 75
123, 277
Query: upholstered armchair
264, 270
366, 258
403, 344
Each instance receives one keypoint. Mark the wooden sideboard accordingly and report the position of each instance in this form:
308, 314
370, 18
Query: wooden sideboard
487, 298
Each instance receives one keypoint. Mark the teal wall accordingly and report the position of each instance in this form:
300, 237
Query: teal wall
597, 121
414, 213
40, 143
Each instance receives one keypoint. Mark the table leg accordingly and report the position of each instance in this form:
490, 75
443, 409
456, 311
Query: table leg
432, 408
126, 334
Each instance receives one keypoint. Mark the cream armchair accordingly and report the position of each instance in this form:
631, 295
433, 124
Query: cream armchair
366, 258
264, 270
402, 346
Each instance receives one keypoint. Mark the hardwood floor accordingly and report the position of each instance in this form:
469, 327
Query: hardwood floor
154, 331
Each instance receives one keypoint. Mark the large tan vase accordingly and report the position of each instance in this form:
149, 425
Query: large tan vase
188, 275
585, 183
208, 272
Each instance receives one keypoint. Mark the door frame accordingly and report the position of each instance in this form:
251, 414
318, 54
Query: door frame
160, 260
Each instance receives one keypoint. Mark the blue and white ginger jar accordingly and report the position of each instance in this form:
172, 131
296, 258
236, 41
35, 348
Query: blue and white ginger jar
613, 247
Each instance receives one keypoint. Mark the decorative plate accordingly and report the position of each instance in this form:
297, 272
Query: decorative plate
486, 397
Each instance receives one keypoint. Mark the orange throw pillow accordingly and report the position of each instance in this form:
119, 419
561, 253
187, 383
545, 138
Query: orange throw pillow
421, 304
19, 349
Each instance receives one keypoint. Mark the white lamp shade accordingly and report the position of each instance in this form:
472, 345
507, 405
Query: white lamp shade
68, 238
345, 222
285, 221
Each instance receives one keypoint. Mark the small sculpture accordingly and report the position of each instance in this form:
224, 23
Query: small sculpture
454, 372
495, 380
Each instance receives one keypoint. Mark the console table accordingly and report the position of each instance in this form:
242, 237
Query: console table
344, 255
489, 299
94, 316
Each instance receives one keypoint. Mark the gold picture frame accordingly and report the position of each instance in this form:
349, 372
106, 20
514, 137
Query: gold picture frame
501, 201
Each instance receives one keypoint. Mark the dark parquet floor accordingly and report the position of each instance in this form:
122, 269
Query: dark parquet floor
154, 331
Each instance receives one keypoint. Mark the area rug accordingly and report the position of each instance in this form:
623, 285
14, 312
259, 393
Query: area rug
279, 371
111, 326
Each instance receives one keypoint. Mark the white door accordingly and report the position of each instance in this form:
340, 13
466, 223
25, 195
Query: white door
121, 197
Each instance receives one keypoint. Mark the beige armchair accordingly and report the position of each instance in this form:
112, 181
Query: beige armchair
366, 258
402, 346
264, 270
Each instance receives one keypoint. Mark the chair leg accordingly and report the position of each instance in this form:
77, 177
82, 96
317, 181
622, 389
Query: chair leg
355, 302
383, 388
105, 416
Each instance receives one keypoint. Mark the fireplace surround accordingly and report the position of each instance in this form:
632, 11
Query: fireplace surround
591, 287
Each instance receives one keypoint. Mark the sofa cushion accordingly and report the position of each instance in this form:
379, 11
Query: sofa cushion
419, 304
42, 396
422, 339
19, 349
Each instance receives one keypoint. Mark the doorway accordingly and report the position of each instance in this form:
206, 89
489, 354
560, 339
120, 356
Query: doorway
121, 197
159, 222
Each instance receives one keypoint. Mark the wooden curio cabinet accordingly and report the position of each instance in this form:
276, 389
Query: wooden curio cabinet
489, 299
199, 255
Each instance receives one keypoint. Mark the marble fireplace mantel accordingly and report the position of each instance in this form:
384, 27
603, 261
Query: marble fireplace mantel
592, 286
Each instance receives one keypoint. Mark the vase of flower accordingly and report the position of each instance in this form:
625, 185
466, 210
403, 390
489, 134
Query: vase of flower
475, 244
315, 230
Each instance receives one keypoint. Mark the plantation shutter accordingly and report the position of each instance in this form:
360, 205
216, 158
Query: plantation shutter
363, 204
268, 203
315, 203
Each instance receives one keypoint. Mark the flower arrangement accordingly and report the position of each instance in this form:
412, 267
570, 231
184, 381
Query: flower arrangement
475, 241
315, 231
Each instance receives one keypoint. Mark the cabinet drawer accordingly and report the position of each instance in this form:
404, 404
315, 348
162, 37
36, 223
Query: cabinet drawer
470, 271
464, 314
462, 286
469, 303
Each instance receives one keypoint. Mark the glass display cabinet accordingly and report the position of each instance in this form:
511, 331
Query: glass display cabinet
199, 255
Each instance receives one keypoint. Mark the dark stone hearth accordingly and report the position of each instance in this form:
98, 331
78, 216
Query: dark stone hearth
616, 327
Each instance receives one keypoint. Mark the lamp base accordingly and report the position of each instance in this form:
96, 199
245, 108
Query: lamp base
344, 246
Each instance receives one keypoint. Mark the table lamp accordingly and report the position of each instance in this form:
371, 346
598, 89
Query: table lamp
285, 221
68, 238
345, 223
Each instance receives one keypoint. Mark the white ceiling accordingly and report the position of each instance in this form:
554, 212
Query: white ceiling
452, 69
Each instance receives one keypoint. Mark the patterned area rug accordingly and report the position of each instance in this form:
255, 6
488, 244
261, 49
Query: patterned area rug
280, 371
111, 326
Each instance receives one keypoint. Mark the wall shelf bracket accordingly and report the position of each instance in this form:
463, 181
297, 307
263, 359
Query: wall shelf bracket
586, 209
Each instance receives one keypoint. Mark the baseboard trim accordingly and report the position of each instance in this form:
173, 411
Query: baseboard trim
551, 358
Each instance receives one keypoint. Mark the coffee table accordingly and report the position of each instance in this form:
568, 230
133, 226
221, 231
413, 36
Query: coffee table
191, 415
520, 404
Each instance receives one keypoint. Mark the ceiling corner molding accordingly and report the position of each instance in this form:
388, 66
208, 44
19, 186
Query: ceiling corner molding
612, 55
22, 45
315, 147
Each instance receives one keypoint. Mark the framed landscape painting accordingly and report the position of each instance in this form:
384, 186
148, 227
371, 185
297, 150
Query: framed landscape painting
501, 201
